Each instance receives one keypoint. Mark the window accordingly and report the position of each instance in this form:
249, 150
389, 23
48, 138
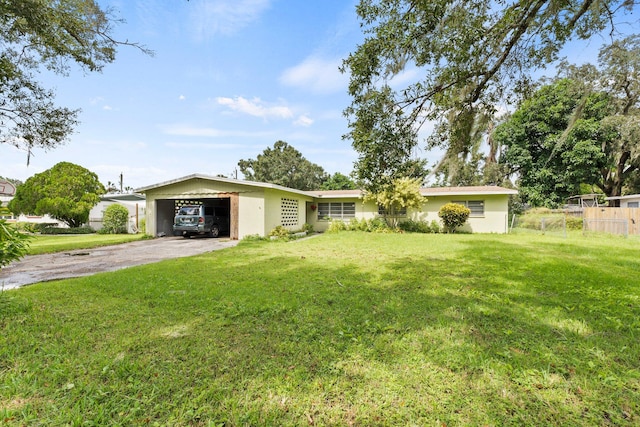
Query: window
336, 210
289, 212
475, 206
633, 205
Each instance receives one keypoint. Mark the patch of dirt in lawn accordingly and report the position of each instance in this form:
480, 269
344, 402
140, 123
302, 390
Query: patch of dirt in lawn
84, 262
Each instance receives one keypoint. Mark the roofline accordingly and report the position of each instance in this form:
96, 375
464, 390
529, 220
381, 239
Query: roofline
427, 191
221, 179
630, 196
451, 191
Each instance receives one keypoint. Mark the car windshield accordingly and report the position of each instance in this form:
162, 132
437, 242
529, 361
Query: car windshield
189, 210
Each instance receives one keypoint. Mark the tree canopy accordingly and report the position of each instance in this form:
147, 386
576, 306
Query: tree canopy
338, 181
467, 54
396, 199
66, 192
51, 35
385, 145
284, 165
583, 128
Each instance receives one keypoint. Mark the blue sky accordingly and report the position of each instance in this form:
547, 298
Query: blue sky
228, 79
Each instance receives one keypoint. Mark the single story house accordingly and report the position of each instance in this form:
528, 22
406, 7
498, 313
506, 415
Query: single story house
256, 208
134, 202
630, 201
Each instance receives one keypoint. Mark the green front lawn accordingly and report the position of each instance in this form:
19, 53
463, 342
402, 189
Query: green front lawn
341, 329
44, 243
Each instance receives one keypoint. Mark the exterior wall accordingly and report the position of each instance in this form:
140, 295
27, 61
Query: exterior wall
494, 220
635, 201
363, 211
273, 209
251, 214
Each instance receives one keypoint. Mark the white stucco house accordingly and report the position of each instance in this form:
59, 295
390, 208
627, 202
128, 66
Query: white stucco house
256, 208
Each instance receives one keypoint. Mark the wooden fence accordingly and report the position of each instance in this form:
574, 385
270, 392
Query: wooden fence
610, 220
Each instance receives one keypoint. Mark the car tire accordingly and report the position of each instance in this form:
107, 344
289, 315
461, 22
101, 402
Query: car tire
215, 231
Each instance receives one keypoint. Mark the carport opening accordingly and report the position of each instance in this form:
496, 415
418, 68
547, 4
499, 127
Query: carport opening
166, 210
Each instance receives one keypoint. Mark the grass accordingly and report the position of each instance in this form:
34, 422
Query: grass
342, 329
43, 244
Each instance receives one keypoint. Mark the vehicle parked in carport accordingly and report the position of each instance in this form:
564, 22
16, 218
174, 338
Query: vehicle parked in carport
192, 220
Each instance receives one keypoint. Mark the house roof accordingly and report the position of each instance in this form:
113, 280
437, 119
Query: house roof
221, 179
122, 197
630, 196
480, 190
427, 191
336, 194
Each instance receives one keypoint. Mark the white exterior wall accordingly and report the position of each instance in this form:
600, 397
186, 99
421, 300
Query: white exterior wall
251, 214
635, 201
494, 220
273, 206
363, 211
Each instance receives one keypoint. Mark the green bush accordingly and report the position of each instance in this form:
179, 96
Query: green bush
280, 233
453, 215
533, 219
64, 230
574, 223
115, 220
375, 225
411, 226
13, 243
435, 226
34, 227
337, 225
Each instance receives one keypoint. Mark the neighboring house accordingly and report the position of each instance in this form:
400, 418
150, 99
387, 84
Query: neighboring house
135, 204
7, 192
257, 207
630, 201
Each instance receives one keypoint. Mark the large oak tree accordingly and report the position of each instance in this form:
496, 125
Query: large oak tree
66, 192
466, 55
583, 128
284, 165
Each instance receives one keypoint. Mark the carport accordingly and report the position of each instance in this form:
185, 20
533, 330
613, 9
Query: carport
166, 211
255, 208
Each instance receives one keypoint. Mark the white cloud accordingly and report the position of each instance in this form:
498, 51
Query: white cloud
107, 108
182, 97
211, 17
303, 121
318, 74
256, 107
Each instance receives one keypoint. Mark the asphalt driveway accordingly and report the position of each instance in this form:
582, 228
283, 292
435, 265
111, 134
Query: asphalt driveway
84, 262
